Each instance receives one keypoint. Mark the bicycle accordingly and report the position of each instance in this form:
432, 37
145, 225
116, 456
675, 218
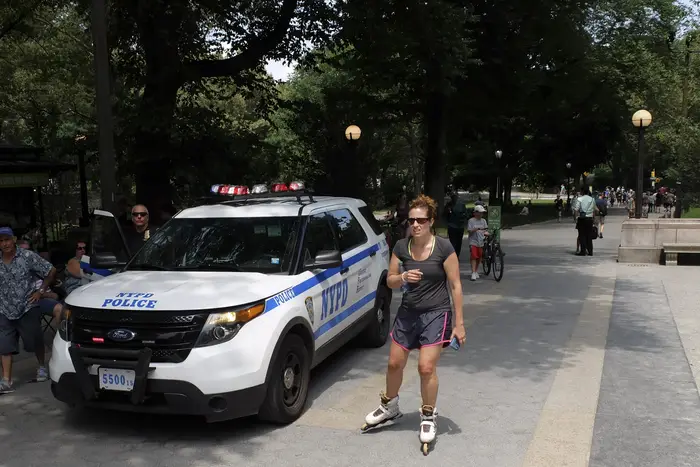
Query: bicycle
493, 257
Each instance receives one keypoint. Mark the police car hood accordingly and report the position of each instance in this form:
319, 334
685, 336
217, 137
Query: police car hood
178, 290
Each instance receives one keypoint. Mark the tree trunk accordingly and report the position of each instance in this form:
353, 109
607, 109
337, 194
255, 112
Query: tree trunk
417, 169
152, 150
507, 190
435, 155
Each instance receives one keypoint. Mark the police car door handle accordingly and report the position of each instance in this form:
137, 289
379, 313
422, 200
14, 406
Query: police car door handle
345, 270
373, 253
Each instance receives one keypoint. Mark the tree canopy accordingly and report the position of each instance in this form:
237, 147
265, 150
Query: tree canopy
436, 87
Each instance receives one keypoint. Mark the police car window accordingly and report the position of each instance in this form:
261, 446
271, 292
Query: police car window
106, 238
318, 237
257, 244
350, 232
371, 220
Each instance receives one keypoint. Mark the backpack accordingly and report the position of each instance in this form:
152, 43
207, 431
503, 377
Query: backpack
603, 209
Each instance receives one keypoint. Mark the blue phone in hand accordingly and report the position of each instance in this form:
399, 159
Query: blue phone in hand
454, 343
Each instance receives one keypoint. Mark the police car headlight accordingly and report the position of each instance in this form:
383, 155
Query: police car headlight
65, 324
222, 327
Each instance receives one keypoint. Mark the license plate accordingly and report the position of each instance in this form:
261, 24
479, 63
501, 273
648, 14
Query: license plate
116, 380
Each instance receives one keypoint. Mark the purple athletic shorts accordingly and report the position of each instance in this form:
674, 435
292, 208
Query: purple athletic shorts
413, 330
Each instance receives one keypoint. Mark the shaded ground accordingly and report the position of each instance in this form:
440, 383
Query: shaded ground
492, 392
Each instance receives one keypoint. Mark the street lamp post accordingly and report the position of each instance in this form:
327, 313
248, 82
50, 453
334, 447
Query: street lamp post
498, 155
352, 135
85, 213
641, 120
568, 184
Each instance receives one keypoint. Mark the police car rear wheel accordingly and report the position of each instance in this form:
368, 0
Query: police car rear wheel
289, 385
377, 332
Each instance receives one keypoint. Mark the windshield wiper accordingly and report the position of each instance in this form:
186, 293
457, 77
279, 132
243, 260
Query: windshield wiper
148, 267
210, 267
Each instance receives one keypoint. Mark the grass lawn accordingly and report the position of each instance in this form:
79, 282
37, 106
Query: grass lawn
542, 210
693, 213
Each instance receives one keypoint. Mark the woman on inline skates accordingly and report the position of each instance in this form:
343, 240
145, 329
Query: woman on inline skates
425, 318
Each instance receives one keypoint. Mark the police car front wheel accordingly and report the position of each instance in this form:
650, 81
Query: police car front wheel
289, 383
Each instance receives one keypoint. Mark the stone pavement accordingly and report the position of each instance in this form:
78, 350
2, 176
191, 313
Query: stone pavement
569, 362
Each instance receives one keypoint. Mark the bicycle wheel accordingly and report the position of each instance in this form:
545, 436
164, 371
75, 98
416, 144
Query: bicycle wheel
486, 260
497, 261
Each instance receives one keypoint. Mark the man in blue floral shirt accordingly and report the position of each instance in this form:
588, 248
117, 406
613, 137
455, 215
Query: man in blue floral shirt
20, 315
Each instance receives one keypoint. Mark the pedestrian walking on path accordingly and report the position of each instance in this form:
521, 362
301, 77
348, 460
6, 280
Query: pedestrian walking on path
602, 205
584, 209
478, 229
20, 314
456, 217
426, 320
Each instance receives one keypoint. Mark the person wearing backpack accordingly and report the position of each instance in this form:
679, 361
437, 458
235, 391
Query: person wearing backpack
602, 205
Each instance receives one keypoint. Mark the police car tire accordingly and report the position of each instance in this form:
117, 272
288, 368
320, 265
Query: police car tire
274, 408
376, 333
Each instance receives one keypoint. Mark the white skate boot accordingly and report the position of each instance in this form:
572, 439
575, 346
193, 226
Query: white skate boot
428, 427
388, 410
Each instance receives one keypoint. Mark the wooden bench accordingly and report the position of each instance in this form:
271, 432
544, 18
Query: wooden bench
672, 250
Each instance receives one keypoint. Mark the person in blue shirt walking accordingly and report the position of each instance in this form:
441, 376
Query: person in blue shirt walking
584, 210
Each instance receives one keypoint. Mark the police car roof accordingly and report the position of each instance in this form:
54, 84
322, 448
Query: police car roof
267, 207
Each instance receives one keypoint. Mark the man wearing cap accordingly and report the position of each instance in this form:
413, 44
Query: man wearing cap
19, 311
478, 229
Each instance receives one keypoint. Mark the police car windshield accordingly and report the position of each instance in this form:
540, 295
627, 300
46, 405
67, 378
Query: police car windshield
257, 244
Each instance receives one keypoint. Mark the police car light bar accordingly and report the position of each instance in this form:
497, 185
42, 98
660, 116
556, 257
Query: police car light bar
237, 190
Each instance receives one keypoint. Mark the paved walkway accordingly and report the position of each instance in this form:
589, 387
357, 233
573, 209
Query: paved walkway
569, 362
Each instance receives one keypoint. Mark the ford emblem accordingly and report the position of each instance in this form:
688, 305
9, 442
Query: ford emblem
121, 335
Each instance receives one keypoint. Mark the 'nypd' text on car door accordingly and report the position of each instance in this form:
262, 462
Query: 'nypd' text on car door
352, 241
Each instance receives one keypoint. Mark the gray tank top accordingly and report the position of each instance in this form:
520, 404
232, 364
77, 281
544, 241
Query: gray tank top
71, 282
431, 293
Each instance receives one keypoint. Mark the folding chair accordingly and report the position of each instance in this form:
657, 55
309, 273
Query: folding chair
46, 322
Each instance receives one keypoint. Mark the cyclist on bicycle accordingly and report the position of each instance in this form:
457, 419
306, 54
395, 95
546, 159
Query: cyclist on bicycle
477, 227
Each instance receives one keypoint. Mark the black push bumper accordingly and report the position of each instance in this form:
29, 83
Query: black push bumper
148, 395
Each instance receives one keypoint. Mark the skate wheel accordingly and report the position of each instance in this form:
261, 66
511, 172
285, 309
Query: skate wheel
426, 448
365, 427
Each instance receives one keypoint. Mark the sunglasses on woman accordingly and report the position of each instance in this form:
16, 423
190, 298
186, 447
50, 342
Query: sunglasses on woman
420, 220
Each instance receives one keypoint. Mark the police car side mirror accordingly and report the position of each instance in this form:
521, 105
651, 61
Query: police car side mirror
105, 261
325, 259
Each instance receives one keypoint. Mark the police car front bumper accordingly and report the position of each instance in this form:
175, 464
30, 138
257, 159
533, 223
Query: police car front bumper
149, 395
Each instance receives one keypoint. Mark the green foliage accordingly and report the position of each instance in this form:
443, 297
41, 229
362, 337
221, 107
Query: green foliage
47, 96
435, 86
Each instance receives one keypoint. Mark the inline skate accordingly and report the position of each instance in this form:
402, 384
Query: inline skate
388, 410
428, 427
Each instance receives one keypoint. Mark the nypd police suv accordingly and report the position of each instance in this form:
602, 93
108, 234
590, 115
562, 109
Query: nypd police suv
226, 308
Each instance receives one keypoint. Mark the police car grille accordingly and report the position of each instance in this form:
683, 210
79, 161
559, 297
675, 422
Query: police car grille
170, 335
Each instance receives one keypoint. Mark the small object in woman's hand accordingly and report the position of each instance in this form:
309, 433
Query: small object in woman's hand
454, 343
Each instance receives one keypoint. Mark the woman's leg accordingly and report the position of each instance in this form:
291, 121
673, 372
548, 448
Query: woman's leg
427, 366
398, 356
